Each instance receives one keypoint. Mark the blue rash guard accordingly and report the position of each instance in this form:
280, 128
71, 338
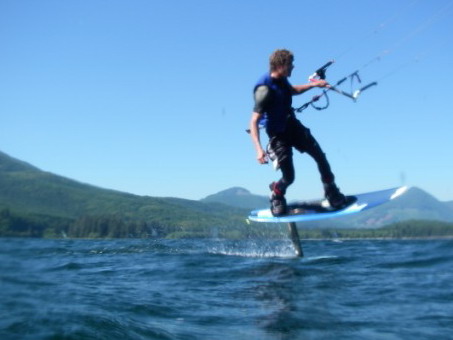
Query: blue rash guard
277, 106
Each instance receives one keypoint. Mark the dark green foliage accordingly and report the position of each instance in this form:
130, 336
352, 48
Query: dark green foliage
89, 211
420, 228
406, 229
32, 225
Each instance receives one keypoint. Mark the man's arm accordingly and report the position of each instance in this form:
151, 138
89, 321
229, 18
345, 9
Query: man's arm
261, 95
255, 134
298, 89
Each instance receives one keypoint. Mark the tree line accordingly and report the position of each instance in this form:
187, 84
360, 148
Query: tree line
110, 226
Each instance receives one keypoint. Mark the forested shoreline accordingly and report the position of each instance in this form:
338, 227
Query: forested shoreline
109, 226
35, 203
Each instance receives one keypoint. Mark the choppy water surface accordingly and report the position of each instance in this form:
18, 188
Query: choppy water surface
217, 289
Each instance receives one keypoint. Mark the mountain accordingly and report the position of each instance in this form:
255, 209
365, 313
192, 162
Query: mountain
415, 204
238, 197
25, 189
38, 203
449, 204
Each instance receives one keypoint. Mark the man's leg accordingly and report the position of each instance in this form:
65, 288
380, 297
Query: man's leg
283, 152
307, 143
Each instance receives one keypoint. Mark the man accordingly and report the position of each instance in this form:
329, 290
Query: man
273, 102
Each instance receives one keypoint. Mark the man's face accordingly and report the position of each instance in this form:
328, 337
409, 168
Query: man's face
286, 70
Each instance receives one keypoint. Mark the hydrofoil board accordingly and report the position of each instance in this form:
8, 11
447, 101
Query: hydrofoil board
320, 209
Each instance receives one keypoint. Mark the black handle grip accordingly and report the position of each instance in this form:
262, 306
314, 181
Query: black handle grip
321, 72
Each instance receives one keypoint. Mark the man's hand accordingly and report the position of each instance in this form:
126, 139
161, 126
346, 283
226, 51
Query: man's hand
298, 89
320, 83
262, 157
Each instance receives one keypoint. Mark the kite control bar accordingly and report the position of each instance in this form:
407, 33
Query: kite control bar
320, 73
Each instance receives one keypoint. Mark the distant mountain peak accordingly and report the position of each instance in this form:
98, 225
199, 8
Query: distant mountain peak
238, 197
235, 191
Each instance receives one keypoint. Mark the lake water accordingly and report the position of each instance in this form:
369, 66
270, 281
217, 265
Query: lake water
218, 289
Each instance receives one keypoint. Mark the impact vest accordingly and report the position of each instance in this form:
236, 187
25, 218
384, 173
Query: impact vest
279, 106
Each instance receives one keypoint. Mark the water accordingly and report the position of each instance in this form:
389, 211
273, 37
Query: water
217, 289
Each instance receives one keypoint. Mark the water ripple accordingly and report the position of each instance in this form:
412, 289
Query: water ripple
204, 289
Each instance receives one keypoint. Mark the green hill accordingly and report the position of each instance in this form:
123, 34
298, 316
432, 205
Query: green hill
29, 193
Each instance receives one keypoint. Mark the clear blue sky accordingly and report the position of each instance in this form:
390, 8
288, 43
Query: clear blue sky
153, 97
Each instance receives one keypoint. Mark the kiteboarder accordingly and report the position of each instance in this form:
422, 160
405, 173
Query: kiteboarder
273, 105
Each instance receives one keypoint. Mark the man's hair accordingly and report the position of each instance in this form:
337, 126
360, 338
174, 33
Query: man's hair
280, 58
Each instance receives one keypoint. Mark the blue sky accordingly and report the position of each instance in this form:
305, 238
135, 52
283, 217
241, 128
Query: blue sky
153, 97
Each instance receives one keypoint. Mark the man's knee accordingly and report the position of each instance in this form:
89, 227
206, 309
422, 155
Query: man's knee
288, 179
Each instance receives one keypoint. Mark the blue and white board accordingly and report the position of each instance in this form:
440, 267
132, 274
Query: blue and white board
317, 210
